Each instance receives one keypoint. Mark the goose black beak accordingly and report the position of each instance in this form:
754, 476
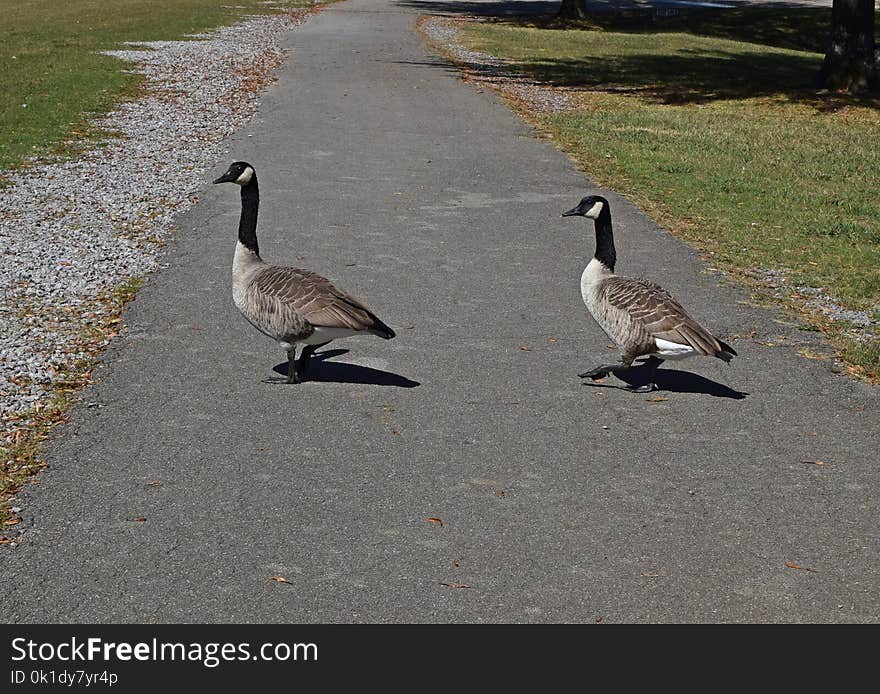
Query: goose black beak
225, 178
573, 212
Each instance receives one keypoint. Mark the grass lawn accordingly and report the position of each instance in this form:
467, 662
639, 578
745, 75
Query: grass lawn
54, 73
709, 122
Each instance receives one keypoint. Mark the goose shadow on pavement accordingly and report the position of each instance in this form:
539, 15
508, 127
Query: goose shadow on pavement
671, 381
322, 371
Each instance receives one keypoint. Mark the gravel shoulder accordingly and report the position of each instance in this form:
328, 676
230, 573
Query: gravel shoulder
73, 232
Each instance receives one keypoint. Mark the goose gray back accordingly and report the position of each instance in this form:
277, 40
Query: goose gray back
642, 318
289, 305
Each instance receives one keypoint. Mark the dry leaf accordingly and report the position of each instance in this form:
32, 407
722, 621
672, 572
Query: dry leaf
599, 619
812, 462
4, 540
551, 340
651, 574
12, 521
436, 521
139, 519
658, 399
279, 579
455, 585
394, 432
524, 348
792, 565
499, 492
456, 563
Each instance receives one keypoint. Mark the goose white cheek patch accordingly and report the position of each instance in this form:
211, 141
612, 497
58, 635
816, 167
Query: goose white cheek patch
245, 177
595, 211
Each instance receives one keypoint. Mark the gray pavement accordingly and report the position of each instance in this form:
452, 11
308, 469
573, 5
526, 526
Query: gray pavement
559, 501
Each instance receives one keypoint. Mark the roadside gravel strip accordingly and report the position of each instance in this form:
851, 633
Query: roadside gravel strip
444, 32
71, 232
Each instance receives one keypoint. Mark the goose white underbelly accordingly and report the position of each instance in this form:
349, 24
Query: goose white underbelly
319, 337
673, 350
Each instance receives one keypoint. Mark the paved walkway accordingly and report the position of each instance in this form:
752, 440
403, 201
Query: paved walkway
559, 502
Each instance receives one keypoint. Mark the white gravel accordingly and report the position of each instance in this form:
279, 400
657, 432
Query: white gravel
70, 231
444, 32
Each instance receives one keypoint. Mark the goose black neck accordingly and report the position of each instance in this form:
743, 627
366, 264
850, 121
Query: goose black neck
250, 205
605, 252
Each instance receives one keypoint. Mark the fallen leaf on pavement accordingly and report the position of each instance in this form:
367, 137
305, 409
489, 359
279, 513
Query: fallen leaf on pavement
139, 519
436, 521
279, 579
12, 521
456, 563
792, 565
658, 399
4, 540
455, 585
812, 462
524, 348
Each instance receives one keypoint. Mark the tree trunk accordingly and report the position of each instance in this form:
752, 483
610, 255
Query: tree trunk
576, 9
850, 62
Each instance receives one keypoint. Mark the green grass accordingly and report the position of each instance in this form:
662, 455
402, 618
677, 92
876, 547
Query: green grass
723, 141
54, 74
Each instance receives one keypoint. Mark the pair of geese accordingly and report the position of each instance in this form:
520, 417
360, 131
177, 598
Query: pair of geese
295, 306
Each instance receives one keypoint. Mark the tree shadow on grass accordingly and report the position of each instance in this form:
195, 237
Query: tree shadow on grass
485, 8
776, 24
322, 371
689, 76
695, 74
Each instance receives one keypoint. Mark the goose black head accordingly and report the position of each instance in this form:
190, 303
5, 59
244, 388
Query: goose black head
590, 206
239, 172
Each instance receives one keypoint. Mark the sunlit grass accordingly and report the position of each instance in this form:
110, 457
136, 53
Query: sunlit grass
724, 142
54, 73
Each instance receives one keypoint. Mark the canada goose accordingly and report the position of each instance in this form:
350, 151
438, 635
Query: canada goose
640, 317
289, 305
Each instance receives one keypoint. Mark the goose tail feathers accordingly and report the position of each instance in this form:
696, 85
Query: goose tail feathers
727, 352
380, 329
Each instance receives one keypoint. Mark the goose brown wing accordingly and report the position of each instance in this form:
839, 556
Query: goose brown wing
661, 316
314, 298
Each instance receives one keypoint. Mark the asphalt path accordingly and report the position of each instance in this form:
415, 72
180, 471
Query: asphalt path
461, 472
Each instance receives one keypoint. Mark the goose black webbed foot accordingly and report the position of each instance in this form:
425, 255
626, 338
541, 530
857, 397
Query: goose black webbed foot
651, 365
600, 371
